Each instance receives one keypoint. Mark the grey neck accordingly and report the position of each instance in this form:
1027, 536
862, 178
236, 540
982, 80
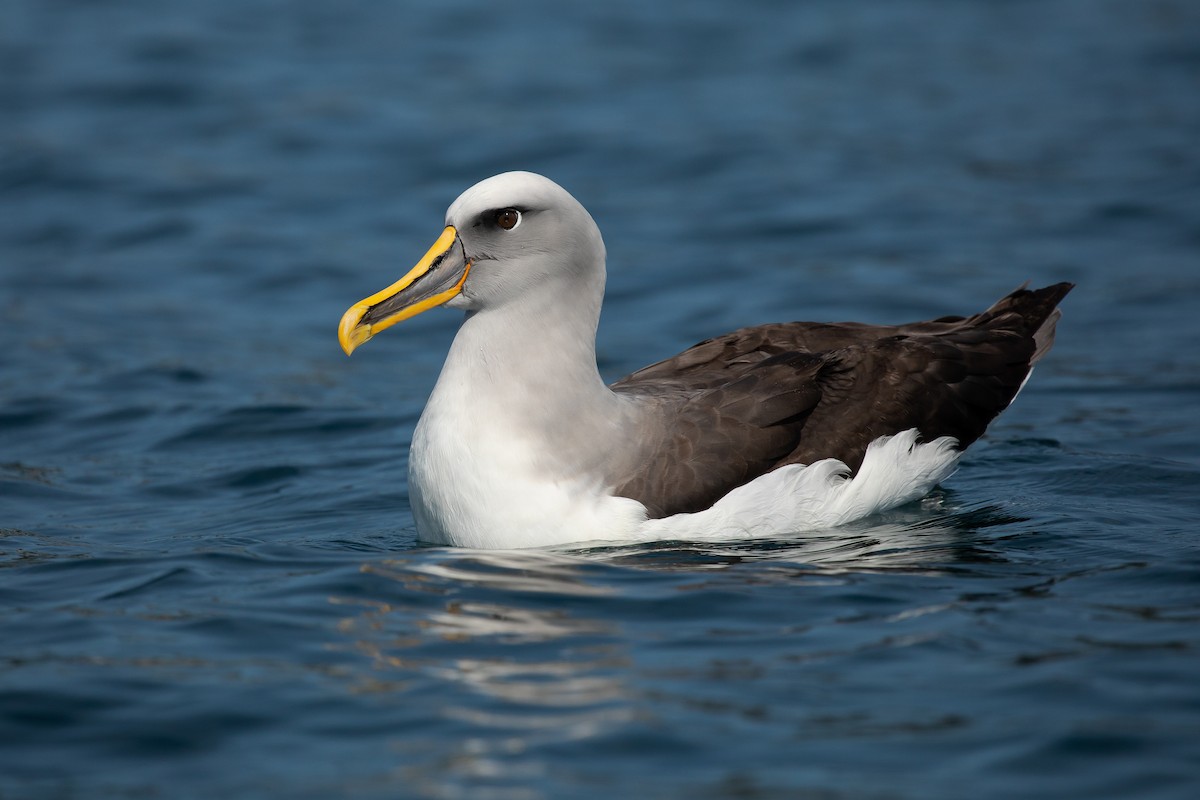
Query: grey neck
529, 368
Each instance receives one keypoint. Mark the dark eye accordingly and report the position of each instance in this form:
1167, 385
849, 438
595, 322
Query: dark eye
508, 218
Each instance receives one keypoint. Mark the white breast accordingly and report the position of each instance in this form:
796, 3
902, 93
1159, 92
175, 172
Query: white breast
471, 485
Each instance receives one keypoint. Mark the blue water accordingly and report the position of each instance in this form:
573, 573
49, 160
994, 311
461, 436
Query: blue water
212, 586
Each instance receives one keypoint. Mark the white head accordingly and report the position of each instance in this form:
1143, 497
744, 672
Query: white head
513, 238
523, 233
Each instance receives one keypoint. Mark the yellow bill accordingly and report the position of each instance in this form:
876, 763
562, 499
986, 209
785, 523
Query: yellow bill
436, 278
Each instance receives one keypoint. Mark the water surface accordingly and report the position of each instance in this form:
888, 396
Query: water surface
212, 585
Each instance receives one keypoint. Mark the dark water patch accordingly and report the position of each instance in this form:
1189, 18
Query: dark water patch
1186, 56
155, 376
195, 189
150, 93
190, 489
57, 234
27, 472
1148, 476
178, 575
818, 55
22, 710
151, 233
1127, 210
32, 411
118, 417
163, 50
34, 492
260, 477
22, 548
799, 228
30, 169
72, 581
276, 422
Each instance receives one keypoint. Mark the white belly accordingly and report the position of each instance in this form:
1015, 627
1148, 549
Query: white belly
472, 486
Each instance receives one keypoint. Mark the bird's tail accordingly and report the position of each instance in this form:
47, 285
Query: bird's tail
1033, 312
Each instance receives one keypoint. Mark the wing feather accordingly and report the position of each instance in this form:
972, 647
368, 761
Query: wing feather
729, 409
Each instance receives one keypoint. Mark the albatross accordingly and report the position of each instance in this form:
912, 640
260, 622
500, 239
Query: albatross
767, 431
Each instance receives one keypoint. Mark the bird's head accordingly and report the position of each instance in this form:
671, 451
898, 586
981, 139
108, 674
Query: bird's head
507, 238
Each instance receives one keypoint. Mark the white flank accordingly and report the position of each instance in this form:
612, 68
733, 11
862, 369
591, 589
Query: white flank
798, 498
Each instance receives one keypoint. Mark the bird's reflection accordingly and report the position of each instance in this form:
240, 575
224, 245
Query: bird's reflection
527, 651
511, 646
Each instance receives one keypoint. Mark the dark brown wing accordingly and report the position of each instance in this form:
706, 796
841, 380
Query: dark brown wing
717, 361
697, 444
732, 408
944, 378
